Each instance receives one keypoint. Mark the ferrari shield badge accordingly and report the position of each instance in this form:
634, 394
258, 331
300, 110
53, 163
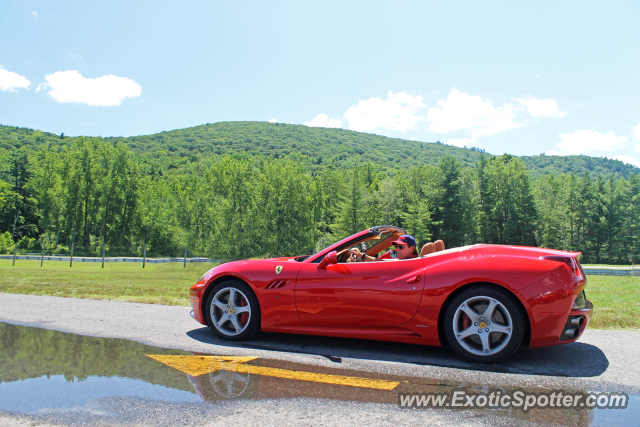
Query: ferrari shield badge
279, 269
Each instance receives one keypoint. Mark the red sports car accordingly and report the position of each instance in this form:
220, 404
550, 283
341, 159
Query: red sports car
484, 301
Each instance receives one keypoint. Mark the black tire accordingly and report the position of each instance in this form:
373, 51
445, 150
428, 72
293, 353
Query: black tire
465, 324
244, 296
221, 385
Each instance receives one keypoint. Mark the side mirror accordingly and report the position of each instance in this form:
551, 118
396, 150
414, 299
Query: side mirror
330, 258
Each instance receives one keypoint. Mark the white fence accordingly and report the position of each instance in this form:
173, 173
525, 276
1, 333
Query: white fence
611, 271
107, 259
588, 270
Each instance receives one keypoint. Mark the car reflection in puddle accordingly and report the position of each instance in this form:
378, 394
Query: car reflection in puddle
44, 371
252, 380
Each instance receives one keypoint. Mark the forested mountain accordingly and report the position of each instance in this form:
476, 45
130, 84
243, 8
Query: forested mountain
315, 147
246, 189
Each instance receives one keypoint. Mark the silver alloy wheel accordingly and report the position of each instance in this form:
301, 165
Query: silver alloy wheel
482, 325
227, 309
229, 382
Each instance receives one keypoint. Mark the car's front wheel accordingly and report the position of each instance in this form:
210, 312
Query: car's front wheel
232, 311
484, 324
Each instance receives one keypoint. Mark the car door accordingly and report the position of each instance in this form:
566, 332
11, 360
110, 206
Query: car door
383, 293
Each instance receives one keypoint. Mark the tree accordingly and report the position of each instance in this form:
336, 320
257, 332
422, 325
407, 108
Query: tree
450, 212
598, 221
524, 215
350, 208
506, 208
20, 214
282, 194
47, 182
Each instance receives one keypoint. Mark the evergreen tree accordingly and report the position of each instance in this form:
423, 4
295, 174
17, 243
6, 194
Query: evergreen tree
350, 208
450, 213
598, 221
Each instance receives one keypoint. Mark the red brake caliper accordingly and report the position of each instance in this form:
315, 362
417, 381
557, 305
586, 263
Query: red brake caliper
466, 322
244, 317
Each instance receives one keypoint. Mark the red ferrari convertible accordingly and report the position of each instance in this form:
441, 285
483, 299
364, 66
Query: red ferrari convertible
484, 301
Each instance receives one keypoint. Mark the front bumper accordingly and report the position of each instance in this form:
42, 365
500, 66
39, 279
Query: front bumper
195, 293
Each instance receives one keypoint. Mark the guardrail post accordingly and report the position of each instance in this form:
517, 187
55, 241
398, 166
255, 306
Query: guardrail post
73, 243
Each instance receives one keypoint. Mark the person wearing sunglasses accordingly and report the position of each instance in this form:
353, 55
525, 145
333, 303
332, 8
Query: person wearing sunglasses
405, 248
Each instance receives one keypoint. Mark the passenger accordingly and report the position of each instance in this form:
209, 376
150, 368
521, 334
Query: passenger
405, 248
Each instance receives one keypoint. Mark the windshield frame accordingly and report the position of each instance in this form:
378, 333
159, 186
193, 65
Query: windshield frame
355, 239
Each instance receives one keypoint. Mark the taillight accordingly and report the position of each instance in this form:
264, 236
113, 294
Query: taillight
569, 261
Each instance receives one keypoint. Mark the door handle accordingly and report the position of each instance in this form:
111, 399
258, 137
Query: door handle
415, 279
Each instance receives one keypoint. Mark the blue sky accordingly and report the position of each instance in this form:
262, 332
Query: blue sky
518, 77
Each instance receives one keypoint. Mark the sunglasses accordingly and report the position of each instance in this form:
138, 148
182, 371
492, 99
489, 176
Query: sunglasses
401, 246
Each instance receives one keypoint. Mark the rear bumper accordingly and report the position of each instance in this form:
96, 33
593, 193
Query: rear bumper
567, 329
577, 322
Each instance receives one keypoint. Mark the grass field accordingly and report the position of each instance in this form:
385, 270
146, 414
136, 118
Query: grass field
119, 281
616, 301
616, 298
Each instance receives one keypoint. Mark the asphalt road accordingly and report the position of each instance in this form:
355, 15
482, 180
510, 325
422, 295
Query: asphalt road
600, 360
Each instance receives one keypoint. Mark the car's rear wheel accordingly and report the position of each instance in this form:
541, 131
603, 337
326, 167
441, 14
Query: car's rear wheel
484, 324
232, 311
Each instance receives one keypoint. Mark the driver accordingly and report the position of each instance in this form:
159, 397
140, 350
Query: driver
405, 247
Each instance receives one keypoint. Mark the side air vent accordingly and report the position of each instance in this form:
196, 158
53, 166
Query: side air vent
276, 284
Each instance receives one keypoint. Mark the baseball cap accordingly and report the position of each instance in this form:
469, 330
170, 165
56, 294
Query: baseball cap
405, 239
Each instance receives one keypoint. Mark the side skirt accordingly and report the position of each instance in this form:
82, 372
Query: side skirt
395, 334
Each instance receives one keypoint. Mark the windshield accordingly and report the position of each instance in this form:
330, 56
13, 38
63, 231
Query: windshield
376, 236
374, 241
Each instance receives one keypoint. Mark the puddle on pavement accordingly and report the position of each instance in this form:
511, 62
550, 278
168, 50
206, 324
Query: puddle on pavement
44, 371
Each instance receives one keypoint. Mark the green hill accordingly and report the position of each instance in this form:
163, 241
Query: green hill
316, 147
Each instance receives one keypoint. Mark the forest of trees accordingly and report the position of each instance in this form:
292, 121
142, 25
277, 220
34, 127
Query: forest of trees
97, 191
180, 150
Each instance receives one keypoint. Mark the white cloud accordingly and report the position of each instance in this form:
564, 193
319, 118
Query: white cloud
463, 142
398, 112
461, 111
34, 13
75, 55
322, 120
10, 81
541, 107
106, 91
585, 141
274, 120
627, 159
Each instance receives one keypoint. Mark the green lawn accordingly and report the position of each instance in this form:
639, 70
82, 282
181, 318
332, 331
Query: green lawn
119, 281
616, 301
616, 298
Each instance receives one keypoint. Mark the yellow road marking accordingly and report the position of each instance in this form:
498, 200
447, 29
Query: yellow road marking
196, 365
200, 365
